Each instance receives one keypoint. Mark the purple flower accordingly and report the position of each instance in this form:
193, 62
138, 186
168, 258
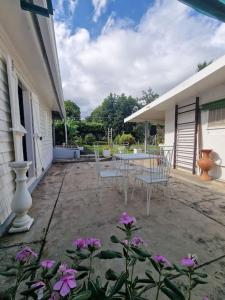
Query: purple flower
65, 284
80, 243
25, 254
205, 298
38, 284
137, 241
93, 243
54, 296
188, 262
47, 263
162, 260
125, 242
125, 219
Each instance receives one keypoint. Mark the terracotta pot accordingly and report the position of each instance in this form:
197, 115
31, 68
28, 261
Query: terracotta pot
206, 164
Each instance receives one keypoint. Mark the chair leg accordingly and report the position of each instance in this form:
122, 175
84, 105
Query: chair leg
149, 193
135, 181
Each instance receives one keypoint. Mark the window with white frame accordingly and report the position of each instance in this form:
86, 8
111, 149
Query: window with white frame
216, 118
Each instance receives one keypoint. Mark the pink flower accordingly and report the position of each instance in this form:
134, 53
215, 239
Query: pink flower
125, 242
63, 267
188, 262
65, 284
47, 263
205, 298
93, 243
25, 254
160, 259
137, 241
125, 219
80, 243
54, 296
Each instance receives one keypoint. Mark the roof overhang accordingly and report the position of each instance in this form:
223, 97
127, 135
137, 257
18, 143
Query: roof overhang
211, 76
31, 42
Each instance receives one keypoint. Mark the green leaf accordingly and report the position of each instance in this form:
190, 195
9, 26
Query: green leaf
111, 275
114, 239
169, 293
202, 275
119, 284
199, 281
82, 296
108, 254
155, 265
70, 251
82, 275
8, 273
174, 288
149, 275
55, 269
141, 252
82, 268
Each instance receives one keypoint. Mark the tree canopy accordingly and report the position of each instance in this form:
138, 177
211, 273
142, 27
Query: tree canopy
72, 110
201, 66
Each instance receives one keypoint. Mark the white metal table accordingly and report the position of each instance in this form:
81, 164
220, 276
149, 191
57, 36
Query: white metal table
132, 156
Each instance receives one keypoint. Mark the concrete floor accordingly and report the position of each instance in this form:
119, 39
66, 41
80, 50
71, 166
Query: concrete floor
66, 207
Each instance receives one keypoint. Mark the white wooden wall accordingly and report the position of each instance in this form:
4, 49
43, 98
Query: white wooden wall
7, 184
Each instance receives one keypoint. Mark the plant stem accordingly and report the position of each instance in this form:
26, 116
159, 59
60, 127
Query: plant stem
189, 290
132, 273
158, 287
91, 260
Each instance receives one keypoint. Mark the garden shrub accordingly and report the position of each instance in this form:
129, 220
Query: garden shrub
89, 139
48, 279
126, 138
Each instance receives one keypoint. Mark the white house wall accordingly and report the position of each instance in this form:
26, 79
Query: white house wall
7, 184
211, 138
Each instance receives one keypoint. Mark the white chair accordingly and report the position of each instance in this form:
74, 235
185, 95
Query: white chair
112, 174
157, 173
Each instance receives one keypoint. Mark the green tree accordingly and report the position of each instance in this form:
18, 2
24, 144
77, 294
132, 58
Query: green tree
147, 97
72, 110
112, 112
201, 66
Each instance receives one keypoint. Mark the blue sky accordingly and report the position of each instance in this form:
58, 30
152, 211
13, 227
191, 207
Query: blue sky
127, 46
82, 16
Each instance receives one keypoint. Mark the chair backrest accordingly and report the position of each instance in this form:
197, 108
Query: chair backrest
160, 161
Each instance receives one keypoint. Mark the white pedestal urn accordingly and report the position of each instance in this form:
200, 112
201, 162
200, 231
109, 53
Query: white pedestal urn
22, 200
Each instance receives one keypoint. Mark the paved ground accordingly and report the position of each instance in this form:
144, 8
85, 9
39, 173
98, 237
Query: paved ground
66, 206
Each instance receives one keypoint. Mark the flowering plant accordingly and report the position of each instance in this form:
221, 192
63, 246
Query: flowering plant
49, 280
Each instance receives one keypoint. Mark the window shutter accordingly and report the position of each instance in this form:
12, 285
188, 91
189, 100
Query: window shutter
37, 134
18, 130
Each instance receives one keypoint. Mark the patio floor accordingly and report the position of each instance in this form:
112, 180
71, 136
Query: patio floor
66, 207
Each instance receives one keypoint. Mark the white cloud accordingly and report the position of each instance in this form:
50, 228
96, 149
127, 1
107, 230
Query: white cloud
99, 6
60, 8
162, 51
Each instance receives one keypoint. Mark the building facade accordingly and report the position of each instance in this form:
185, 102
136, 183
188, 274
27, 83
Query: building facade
30, 90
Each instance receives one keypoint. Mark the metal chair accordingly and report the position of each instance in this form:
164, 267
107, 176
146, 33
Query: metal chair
112, 174
157, 173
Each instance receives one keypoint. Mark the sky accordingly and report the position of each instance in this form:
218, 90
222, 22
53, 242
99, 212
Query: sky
127, 46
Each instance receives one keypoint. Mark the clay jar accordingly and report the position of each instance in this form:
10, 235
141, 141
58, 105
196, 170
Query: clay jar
206, 164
